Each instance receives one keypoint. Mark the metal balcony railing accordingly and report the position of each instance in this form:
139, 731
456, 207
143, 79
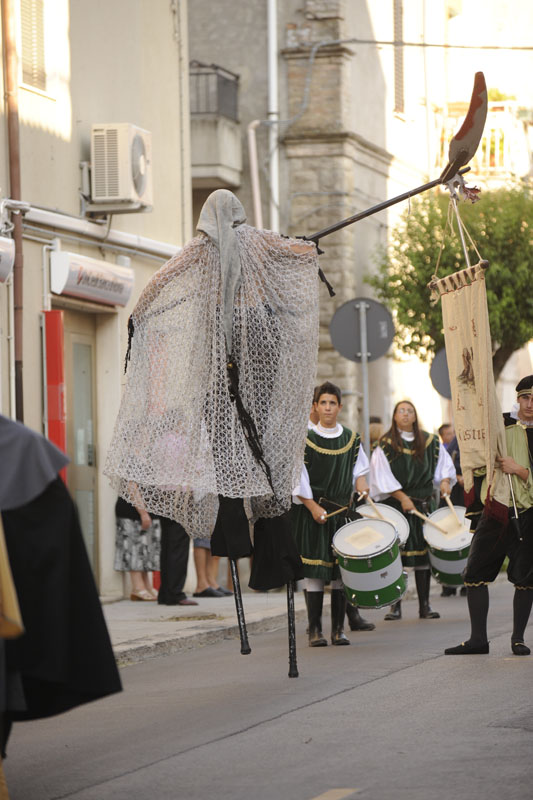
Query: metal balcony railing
504, 149
213, 90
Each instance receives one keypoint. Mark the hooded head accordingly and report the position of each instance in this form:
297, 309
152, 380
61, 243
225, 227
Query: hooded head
221, 213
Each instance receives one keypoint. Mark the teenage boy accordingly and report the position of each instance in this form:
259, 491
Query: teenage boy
334, 463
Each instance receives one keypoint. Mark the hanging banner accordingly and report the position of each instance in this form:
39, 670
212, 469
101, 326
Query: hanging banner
477, 415
90, 279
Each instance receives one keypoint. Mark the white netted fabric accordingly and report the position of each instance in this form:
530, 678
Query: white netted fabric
178, 441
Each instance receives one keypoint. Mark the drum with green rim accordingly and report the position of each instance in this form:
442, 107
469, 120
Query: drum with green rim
448, 552
368, 552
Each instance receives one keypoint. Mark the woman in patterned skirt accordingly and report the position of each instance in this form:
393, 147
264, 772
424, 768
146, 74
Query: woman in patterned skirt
137, 548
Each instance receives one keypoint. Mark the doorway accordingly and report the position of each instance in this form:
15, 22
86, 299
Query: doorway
80, 381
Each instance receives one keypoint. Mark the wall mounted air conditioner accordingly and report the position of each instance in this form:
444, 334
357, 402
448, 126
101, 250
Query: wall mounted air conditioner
121, 168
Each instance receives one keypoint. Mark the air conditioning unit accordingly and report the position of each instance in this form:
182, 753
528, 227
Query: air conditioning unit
121, 168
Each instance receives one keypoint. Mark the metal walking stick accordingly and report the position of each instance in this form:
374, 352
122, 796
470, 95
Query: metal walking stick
245, 647
293, 666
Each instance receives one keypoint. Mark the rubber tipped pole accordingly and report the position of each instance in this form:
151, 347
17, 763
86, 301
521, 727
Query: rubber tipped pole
245, 647
293, 666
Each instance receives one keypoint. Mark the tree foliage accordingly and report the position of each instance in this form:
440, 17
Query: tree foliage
501, 225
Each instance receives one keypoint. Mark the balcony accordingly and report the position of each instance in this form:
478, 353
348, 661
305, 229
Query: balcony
216, 146
505, 150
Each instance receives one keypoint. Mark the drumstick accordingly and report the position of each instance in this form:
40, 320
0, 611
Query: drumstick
427, 519
452, 509
374, 506
338, 511
370, 516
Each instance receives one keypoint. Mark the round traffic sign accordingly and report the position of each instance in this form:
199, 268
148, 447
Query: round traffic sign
439, 374
345, 329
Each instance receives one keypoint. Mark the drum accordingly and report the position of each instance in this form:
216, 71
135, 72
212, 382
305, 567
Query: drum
391, 515
448, 552
368, 552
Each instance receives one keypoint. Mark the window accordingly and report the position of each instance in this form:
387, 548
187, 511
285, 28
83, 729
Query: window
32, 43
398, 56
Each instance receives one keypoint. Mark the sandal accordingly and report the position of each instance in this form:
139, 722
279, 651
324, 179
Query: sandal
144, 594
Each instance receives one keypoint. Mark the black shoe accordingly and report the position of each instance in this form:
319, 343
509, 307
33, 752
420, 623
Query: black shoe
467, 649
356, 621
209, 592
223, 591
339, 638
427, 613
395, 611
423, 580
520, 649
314, 613
316, 639
448, 591
338, 610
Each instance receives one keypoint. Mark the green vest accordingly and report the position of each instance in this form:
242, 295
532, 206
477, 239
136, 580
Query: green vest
416, 477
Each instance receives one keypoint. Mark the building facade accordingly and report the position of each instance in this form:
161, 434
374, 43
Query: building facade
366, 101
104, 144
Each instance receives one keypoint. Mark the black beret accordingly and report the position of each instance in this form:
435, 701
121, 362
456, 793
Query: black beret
525, 386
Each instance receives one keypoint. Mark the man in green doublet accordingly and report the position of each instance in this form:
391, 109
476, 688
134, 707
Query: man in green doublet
334, 463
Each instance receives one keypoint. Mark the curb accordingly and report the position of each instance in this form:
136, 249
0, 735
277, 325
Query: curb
129, 653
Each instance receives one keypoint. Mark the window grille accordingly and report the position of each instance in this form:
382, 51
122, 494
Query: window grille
32, 43
213, 90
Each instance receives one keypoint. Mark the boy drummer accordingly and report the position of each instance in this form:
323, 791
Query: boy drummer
334, 462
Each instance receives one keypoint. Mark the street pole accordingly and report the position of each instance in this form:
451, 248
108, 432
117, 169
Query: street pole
362, 307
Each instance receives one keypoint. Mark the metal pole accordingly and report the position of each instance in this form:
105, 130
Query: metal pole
254, 173
273, 112
293, 666
245, 647
460, 226
362, 308
314, 237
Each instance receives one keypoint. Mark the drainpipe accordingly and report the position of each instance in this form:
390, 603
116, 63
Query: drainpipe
254, 173
273, 113
9, 34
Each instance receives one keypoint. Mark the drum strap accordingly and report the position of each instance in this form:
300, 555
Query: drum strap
330, 505
422, 503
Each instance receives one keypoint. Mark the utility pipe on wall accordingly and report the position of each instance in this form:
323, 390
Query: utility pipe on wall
273, 113
9, 34
66, 222
254, 173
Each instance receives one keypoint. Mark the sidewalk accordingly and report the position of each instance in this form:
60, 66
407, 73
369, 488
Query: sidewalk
145, 630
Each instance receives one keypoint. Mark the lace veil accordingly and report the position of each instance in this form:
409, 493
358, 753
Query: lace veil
234, 295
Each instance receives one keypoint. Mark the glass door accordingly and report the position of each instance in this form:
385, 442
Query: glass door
80, 347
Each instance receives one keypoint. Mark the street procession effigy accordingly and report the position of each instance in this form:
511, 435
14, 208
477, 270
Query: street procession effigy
221, 362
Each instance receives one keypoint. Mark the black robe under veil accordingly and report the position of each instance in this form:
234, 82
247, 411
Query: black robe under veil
276, 560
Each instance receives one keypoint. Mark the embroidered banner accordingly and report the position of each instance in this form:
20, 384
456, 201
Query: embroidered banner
476, 410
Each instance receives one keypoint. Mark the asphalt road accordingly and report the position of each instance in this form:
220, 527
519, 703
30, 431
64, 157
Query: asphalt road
388, 717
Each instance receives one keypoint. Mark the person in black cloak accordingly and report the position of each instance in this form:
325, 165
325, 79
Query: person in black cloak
64, 658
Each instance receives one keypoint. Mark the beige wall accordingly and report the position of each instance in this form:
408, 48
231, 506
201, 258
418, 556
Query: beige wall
124, 61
